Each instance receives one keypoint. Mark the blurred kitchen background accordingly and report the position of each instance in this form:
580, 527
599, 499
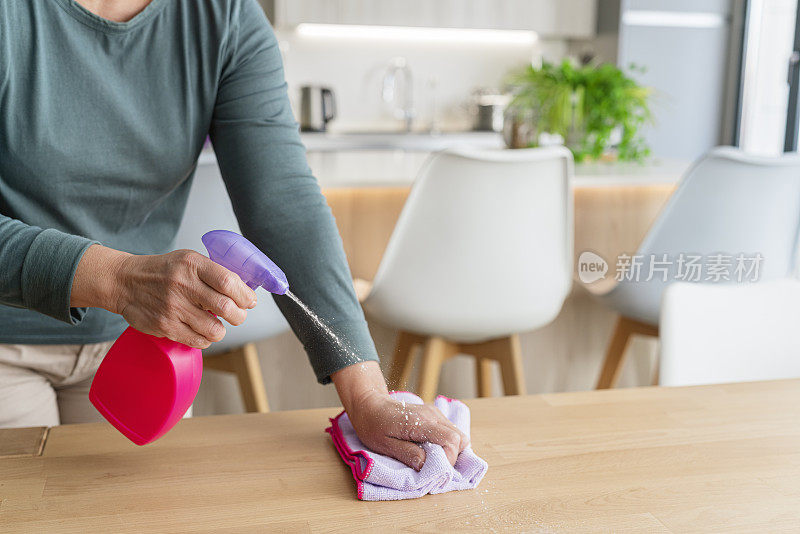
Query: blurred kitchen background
378, 85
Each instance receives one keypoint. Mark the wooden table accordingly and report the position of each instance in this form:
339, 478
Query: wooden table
714, 458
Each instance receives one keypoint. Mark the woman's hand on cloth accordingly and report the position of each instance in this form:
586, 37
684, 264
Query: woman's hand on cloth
391, 427
166, 295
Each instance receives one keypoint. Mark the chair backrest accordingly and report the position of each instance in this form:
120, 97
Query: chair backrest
729, 203
730, 333
733, 202
208, 208
483, 246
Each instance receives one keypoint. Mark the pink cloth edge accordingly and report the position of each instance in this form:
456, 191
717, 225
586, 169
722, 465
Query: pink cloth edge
350, 462
344, 449
336, 434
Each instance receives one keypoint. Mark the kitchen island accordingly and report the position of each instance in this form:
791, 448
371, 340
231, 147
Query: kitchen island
700, 459
615, 203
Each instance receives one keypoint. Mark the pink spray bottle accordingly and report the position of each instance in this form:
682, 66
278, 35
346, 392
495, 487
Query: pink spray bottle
145, 384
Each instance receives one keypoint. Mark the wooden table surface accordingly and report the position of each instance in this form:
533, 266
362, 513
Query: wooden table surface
713, 458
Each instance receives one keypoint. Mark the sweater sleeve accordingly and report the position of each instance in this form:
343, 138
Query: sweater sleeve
37, 267
277, 201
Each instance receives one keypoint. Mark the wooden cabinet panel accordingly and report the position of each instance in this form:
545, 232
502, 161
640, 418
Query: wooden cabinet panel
608, 220
366, 218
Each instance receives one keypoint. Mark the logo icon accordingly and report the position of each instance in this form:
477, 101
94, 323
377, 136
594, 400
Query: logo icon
591, 267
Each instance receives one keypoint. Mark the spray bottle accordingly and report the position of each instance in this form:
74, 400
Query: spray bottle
145, 384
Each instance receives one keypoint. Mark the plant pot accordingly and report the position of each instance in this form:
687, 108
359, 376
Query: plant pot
528, 127
520, 128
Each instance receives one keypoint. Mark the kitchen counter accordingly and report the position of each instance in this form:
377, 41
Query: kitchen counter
713, 458
357, 168
410, 142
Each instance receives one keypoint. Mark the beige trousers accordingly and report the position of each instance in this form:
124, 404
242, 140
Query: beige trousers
48, 385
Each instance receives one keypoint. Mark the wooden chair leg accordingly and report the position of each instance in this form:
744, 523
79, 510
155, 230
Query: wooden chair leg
436, 351
483, 376
506, 350
243, 362
615, 354
511, 367
403, 359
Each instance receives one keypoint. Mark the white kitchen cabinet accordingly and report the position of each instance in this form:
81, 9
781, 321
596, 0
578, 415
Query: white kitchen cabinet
549, 18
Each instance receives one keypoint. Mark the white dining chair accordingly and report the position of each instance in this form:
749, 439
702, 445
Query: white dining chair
729, 203
481, 252
713, 334
208, 208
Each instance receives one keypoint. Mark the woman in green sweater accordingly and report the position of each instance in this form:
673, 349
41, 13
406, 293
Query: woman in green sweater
104, 107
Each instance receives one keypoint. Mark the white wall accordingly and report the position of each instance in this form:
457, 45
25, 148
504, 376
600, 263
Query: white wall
444, 73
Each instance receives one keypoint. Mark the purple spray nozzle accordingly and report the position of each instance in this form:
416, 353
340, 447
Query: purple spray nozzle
239, 255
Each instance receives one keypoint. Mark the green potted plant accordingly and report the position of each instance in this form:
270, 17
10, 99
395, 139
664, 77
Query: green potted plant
597, 111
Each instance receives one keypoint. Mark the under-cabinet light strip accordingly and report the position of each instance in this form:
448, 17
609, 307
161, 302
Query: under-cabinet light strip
449, 35
673, 19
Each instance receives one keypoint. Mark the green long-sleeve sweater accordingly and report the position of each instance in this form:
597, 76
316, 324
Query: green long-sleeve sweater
101, 124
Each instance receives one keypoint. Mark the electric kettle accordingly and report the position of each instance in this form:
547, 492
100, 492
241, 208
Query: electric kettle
317, 108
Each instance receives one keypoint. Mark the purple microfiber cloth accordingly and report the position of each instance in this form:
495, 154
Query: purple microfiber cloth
381, 478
